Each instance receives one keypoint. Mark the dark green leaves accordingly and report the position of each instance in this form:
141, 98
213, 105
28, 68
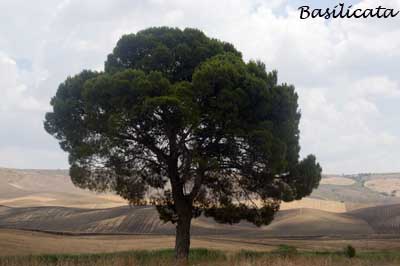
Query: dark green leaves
182, 113
173, 52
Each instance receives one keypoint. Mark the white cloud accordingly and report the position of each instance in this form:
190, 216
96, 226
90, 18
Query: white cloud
379, 86
27, 158
13, 91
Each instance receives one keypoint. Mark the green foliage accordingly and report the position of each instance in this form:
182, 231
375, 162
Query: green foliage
251, 255
198, 257
286, 250
172, 52
182, 113
350, 251
138, 257
203, 254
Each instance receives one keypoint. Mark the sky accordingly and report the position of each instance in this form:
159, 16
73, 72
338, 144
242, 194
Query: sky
346, 71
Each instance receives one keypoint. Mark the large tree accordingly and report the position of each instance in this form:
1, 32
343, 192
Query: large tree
180, 121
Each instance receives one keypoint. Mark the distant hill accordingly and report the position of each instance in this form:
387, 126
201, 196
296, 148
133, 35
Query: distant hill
382, 219
313, 222
144, 220
28, 188
342, 205
365, 190
33, 188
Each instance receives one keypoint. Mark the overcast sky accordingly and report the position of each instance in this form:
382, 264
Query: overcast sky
345, 71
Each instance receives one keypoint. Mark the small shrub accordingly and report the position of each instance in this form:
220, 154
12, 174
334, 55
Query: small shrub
200, 254
350, 251
250, 255
286, 250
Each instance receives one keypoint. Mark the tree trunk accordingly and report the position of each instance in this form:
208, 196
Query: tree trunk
182, 241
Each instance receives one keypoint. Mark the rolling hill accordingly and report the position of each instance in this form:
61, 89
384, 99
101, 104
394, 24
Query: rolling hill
28, 188
32, 188
383, 219
144, 220
46, 200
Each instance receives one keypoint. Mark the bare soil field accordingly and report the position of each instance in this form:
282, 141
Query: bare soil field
336, 180
383, 219
17, 242
390, 186
33, 188
318, 204
145, 220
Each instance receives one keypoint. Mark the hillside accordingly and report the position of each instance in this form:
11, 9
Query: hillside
33, 188
313, 222
383, 219
359, 191
144, 220
28, 188
47, 200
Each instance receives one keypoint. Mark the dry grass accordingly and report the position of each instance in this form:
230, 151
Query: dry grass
310, 203
203, 257
30, 188
338, 181
18, 248
17, 201
390, 186
23, 243
309, 261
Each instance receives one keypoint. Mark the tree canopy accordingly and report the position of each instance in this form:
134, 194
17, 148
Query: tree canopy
180, 121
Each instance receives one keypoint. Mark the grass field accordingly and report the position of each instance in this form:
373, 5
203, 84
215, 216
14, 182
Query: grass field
20, 243
94, 234
282, 256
